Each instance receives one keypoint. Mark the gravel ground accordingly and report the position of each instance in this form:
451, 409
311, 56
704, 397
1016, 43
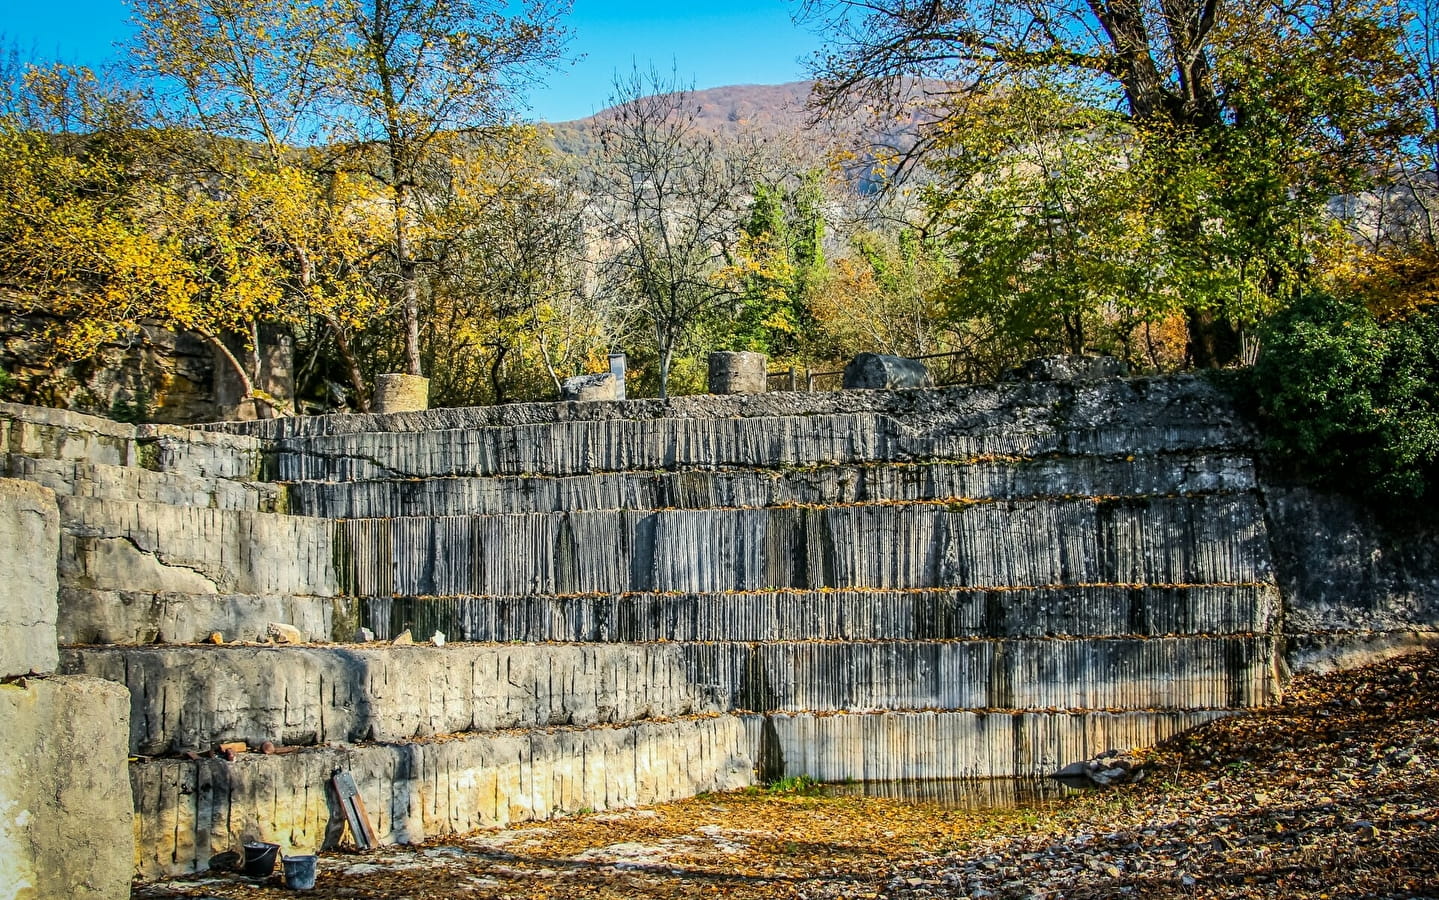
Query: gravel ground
1333, 794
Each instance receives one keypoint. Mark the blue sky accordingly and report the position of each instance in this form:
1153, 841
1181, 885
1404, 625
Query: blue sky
710, 44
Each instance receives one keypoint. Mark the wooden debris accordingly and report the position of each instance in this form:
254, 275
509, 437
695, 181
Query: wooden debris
348, 794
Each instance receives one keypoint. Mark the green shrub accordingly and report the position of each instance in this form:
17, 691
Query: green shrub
1351, 401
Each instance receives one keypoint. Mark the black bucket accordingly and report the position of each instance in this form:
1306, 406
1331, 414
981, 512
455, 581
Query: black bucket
260, 859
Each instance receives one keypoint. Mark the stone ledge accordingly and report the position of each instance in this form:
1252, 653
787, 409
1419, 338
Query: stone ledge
1190, 397
191, 698
708, 488
188, 811
839, 614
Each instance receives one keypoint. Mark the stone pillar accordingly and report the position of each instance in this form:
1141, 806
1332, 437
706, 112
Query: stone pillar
739, 372
66, 811
401, 393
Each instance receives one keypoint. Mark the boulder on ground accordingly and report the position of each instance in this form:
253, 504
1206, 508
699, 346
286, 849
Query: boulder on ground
878, 372
1108, 768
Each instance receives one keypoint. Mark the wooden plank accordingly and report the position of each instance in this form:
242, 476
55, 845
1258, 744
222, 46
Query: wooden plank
348, 793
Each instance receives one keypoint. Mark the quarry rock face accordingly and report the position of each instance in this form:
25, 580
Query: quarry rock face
586, 605
878, 372
65, 803
29, 540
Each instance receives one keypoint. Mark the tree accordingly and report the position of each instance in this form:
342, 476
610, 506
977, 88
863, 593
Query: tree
668, 199
509, 307
106, 238
778, 264
1248, 116
396, 83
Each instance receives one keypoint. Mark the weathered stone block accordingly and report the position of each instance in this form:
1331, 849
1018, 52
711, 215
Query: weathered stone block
118, 546
29, 542
66, 812
738, 372
396, 393
591, 388
878, 372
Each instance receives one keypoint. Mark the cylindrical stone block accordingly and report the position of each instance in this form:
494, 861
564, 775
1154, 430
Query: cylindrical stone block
738, 372
401, 393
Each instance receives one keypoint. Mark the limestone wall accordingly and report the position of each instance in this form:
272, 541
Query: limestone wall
188, 811
29, 541
835, 615
65, 805
186, 699
644, 599
1199, 539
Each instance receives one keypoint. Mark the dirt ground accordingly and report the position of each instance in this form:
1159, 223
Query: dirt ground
1333, 794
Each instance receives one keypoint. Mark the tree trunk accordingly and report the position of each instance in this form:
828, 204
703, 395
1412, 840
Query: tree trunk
1213, 340
247, 384
666, 358
409, 280
352, 365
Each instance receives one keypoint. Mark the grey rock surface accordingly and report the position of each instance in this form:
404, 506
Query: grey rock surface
835, 615
1012, 478
66, 811
120, 546
195, 697
590, 388
89, 616
1204, 539
878, 372
908, 746
29, 543
1068, 367
130, 483
1356, 587
187, 811
605, 445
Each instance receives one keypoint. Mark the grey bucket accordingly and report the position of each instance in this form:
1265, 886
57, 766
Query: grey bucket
300, 872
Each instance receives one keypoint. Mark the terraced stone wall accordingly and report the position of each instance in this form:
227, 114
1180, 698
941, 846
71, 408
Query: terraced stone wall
643, 600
